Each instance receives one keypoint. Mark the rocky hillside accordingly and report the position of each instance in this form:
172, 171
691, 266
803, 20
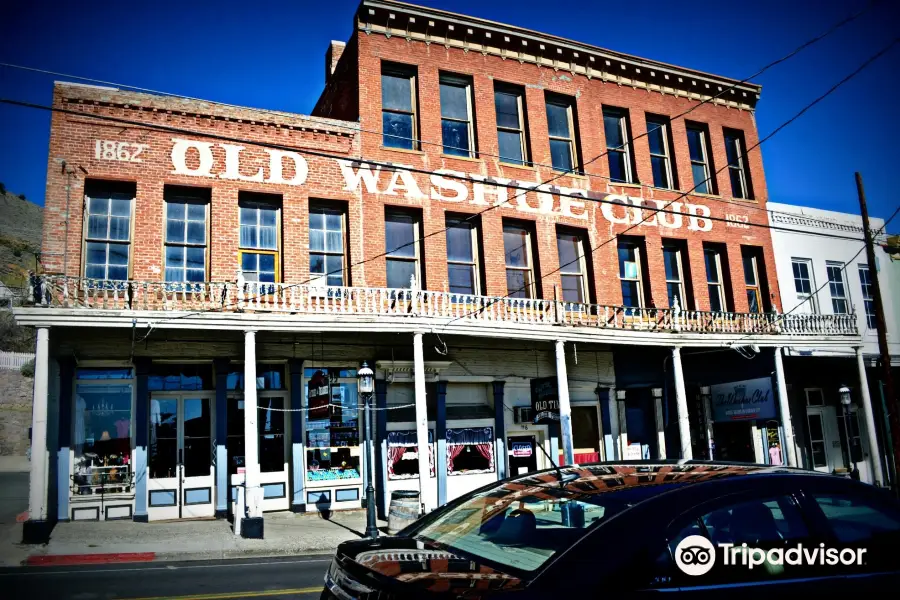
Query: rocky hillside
20, 237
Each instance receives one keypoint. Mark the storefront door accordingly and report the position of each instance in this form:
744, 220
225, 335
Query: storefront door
181, 479
824, 439
521, 450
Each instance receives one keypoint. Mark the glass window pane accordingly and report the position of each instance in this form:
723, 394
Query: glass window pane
317, 240
395, 92
96, 253
267, 262
753, 301
174, 274
334, 267
175, 231
174, 256
627, 255
316, 219
855, 519
560, 155
98, 206
455, 137
249, 236
568, 246
731, 149
507, 109
737, 183
656, 134
510, 147
118, 254
462, 279
701, 183
695, 145
249, 261
515, 242
674, 291
572, 288
114, 273
749, 271
517, 283
612, 127
98, 227
175, 210
195, 258
196, 232
268, 217
670, 259
317, 264
712, 268
398, 130
660, 172
95, 271
630, 296
248, 216
558, 120
333, 221
119, 228
454, 104
195, 275
617, 168
715, 300
399, 235
196, 212
459, 241
399, 273
120, 207
334, 241
268, 238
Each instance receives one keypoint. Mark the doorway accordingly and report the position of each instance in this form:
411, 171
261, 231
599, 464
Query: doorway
734, 442
181, 479
521, 450
826, 453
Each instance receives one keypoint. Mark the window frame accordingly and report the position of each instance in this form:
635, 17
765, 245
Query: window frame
512, 90
416, 259
531, 285
663, 123
720, 285
638, 259
568, 103
111, 188
260, 251
680, 282
756, 287
466, 83
582, 273
802, 296
709, 180
868, 295
841, 267
475, 265
621, 116
184, 197
320, 280
736, 138
408, 72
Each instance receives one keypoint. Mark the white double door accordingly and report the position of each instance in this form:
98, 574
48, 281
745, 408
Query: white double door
826, 442
181, 482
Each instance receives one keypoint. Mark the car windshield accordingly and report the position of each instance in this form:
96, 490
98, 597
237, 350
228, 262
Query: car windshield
522, 524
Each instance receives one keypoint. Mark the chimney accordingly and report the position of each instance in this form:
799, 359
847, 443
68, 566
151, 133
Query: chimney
332, 56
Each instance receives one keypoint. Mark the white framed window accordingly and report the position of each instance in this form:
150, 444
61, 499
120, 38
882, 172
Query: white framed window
572, 266
804, 284
751, 280
737, 172
561, 129
470, 450
517, 245
401, 245
259, 243
836, 285
660, 154
462, 255
398, 106
327, 244
107, 232
187, 213
509, 102
673, 259
715, 280
631, 273
403, 454
618, 147
457, 125
868, 293
698, 146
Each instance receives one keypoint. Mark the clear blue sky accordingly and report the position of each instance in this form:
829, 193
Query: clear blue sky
270, 55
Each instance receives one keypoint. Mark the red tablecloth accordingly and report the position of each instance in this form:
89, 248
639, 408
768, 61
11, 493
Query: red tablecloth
583, 458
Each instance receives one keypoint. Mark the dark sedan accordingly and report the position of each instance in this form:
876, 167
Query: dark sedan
588, 531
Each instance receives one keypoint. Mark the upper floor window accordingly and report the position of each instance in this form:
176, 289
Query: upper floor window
517, 245
457, 126
839, 303
754, 285
573, 265
714, 259
865, 280
326, 245
398, 106
401, 245
561, 128
658, 136
618, 147
804, 284
631, 272
107, 236
701, 168
259, 219
674, 259
462, 255
735, 150
186, 216
510, 104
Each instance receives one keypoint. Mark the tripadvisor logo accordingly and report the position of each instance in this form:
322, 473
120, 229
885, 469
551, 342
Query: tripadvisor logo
696, 555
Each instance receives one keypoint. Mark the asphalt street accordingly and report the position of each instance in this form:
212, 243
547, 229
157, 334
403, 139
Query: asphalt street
276, 578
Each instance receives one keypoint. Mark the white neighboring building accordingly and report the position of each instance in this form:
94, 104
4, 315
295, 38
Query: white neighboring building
804, 263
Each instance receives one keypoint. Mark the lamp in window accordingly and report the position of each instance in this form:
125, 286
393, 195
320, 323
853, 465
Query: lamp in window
366, 378
620, 395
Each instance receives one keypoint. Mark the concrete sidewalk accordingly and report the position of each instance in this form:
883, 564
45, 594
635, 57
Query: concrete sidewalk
119, 541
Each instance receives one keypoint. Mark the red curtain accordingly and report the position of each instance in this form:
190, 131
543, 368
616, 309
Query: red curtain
486, 450
395, 453
452, 452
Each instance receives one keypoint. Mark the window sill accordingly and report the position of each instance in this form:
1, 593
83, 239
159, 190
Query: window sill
402, 151
625, 184
465, 158
525, 167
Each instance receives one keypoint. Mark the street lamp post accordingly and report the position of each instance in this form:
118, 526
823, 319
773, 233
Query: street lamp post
845, 403
366, 387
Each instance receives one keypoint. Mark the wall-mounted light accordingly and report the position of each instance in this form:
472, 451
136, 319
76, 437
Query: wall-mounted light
704, 390
620, 395
657, 392
366, 379
845, 395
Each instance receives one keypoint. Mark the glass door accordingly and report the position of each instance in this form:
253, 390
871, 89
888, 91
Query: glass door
181, 476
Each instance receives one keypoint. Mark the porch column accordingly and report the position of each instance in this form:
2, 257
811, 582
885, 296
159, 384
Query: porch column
605, 422
141, 433
874, 449
64, 438
684, 425
758, 451
785, 409
37, 529
612, 407
222, 484
623, 423
707, 419
381, 447
252, 490
298, 437
660, 426
565, 409
425, 490
499, 430
440, 436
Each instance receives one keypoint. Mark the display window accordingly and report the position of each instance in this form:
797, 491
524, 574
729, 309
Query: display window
403, 454
470, 450
271, 403
333, 448
102, 431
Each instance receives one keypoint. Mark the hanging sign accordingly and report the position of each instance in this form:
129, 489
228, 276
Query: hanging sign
318, 396
522, 449
746, 400
545, 400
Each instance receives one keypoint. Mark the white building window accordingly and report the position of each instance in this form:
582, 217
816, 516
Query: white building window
839, 303
462, 255
561, 128
715, 280
457, 128
326, 246
401, 245
403, 454
631, 273
660, 155
470, 450
186, 217
618, 148
572, 266
804, 284
510, 105
698, 145
865, 280
737, 169
259, 219
519, 261
673, 258
107, 234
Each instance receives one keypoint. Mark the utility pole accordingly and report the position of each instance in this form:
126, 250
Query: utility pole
893, 406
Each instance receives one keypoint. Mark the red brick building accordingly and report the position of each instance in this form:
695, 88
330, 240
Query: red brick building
499, 221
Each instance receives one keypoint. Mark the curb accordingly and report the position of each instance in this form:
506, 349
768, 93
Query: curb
54, 560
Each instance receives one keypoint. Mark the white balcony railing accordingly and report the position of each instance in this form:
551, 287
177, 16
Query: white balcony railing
242, 296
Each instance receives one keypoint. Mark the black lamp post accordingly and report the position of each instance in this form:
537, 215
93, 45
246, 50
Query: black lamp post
845, 403
366, 386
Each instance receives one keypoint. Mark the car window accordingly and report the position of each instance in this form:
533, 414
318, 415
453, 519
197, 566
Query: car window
769, 522
854, 519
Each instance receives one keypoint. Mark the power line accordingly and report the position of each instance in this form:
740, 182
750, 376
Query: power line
420, 141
